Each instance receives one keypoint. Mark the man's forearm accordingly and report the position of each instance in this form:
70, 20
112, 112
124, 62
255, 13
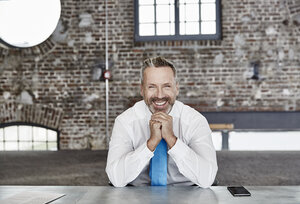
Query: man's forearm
122, 169
171, 141
152, 144
198, 169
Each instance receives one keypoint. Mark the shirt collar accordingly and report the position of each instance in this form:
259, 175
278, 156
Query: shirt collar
147, 111
174, 111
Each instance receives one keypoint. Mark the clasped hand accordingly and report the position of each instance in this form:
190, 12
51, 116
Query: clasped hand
161, 127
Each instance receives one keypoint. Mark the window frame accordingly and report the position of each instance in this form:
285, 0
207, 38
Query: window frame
177, 36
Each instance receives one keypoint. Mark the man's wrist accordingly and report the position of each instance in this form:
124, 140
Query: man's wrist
171, 141
151, 144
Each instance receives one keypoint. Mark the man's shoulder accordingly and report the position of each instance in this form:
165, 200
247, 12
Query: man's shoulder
188, 114
136, 112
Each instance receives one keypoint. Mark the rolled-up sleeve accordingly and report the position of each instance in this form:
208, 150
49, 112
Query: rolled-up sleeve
124, 163
196, 160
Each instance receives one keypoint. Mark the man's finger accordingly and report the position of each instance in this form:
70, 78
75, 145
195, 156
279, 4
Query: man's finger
155, 122
160, 113
161, 118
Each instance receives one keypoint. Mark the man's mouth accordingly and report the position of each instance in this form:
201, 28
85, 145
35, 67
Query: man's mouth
162, 103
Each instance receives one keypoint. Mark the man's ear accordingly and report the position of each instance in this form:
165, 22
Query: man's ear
141, 91
177, 88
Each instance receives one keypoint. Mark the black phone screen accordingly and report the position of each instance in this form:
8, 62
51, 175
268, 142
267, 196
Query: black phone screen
238, 191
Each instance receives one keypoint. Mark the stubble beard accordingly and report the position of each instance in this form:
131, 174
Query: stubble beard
152, 100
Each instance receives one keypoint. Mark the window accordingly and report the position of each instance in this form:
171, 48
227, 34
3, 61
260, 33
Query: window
273, 140
27, 137
258, 140
177, 20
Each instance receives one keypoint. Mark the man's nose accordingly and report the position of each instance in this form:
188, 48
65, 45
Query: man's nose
159, 93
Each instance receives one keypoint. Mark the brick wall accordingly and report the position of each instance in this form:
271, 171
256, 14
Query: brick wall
30, 113
214, 75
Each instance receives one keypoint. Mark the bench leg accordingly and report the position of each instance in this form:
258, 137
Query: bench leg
225, 137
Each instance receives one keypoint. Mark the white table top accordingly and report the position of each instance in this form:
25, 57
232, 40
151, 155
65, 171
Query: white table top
155, 195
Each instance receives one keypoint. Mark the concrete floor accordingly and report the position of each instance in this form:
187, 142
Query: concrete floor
87, 168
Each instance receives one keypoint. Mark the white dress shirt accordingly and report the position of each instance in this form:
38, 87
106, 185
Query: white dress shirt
192, 160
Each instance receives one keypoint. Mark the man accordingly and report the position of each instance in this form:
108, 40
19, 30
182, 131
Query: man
158, 119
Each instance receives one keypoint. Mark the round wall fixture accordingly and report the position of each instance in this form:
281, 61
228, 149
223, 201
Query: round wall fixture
26, 23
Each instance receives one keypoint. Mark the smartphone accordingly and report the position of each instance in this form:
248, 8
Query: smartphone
238, 191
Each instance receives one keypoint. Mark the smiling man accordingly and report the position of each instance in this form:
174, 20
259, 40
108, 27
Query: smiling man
161, 141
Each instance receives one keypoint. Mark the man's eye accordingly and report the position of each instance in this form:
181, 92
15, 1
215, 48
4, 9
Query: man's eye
150, 87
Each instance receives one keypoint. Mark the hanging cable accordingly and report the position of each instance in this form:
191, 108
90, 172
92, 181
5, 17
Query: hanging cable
106, 68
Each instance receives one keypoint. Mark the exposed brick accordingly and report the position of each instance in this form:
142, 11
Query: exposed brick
59, 74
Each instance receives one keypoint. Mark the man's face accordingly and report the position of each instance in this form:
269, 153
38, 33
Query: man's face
159, 89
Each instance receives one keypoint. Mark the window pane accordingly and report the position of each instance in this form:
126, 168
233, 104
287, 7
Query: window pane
208, 1
1, 146
208, 12
208, 27
172, 29
25, 133
11, 133
146, 29
192, 12
189, 1
25, 146
189, 12
181, 13
1, 135
182, 28
11, 146
39, 146
146, 2
192, 28
162, 13
217, 140
146, 14
164, 1
172, 12
52, 146
39, 134
163, 29
52, 135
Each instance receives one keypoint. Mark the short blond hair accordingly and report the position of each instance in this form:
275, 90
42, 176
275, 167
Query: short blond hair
157, 62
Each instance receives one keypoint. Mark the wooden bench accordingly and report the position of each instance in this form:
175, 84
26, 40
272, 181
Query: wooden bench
221, 126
